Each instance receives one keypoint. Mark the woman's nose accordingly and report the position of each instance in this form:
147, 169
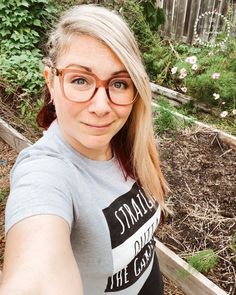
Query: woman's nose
100, 103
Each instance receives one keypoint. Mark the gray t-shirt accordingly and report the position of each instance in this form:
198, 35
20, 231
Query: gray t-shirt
112, 222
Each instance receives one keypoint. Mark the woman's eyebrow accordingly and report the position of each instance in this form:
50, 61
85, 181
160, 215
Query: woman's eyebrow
79, 66
120, 72
123, 71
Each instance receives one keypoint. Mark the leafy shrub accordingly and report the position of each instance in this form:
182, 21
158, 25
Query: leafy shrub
210, 78
22, 31
23, 23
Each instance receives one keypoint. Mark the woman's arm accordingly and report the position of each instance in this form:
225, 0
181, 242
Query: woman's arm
39, 259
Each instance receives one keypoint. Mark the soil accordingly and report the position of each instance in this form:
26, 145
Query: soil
7, 159
200, 170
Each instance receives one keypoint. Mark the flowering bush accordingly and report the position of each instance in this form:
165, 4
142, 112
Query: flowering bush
208, 77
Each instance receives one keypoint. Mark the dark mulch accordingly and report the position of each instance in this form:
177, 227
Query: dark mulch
201, 172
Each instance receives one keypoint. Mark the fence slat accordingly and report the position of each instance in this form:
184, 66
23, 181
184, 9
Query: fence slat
181, 16
194, 12
182, 7
168, 22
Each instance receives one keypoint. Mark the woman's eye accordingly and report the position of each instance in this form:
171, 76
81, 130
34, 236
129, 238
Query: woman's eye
120, 85
79, 81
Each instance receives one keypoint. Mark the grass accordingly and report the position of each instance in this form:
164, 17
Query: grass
165, 120
204, 261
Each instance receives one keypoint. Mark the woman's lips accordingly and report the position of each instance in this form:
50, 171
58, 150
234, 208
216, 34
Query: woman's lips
98, 126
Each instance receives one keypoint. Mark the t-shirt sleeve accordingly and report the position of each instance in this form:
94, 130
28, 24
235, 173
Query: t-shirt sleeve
39, 185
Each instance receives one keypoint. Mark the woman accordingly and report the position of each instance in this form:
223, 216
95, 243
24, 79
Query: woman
86, 198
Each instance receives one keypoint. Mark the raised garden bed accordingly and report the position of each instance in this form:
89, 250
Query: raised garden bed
201, 170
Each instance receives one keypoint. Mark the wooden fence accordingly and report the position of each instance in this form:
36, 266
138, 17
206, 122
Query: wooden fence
182, 15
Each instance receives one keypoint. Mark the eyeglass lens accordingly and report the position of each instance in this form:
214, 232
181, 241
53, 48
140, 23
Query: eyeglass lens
81, 87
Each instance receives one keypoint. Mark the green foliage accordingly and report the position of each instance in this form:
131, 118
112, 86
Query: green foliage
22, 71
165, 120
204, 261
23, 27
23, 23
199, 82
154, 15
3, 194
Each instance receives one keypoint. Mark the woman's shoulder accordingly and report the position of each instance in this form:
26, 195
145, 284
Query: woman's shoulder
36, 160
49, 152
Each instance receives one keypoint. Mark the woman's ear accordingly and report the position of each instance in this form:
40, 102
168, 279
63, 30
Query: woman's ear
48, 78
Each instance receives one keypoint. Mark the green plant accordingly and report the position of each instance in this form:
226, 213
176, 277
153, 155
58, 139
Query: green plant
208, 77
165, 120
3, 194
24, 23
204, 261
23, 28
154, 15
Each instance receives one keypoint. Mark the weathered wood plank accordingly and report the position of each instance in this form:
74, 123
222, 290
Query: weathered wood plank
182, 98
176, 96
11, 136
194, 12
181, 12
183, 275
174, 19
168, 22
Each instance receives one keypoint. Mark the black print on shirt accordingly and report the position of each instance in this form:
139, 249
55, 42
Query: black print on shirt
127, 214
129, 275
132, 219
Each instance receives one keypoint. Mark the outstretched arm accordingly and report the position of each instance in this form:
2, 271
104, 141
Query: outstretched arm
39, 259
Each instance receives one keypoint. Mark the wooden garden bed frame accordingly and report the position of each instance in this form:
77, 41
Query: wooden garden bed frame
189, 280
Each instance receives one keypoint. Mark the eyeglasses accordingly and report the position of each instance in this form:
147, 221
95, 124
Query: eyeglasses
81, 86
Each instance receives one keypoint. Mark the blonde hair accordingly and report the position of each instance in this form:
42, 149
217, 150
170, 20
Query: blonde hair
111, 29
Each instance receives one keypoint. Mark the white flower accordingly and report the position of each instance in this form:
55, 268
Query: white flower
216, 75
194, 67
184, 89
234, 112
182, 76
224, 114
210, 53
174, 70
216, 96
183, 71
191, 59
223, 102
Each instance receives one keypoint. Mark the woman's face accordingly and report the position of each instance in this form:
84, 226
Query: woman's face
89, 126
